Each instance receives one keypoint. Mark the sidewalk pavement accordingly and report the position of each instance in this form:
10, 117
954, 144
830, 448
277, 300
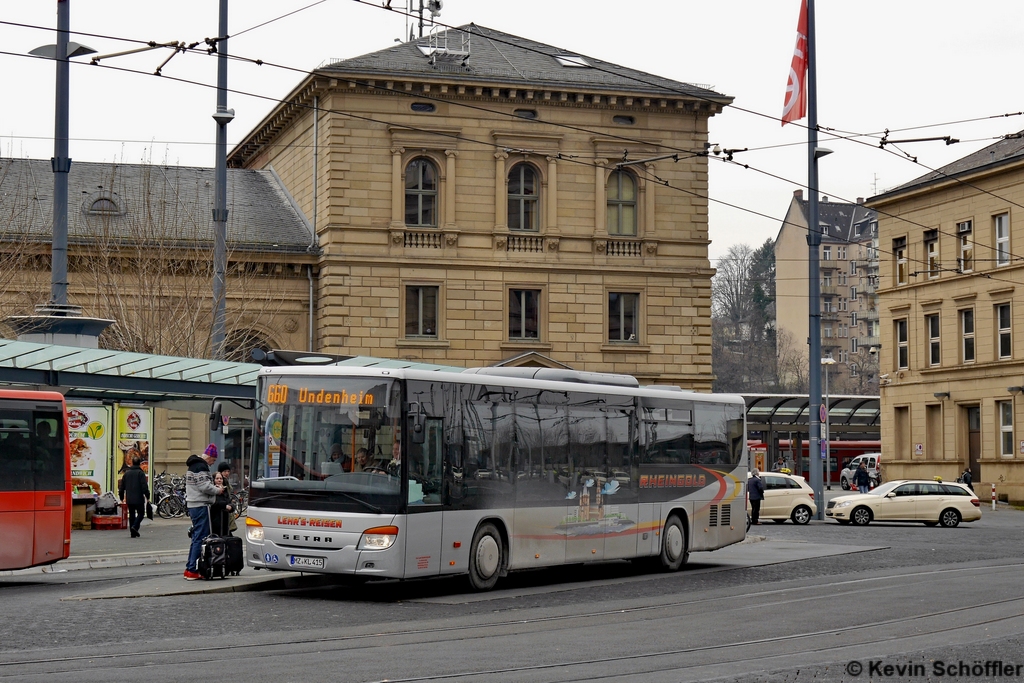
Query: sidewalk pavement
163, 541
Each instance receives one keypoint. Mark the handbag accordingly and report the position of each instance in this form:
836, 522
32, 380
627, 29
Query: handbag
149, 510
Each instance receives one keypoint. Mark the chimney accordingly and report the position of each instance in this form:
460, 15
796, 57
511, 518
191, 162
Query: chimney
798, 195
860, 200
824, 199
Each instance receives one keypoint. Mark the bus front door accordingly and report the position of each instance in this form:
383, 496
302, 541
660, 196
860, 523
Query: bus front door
423, 525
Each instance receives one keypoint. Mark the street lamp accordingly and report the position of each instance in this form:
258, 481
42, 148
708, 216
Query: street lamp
60, 162
828, 445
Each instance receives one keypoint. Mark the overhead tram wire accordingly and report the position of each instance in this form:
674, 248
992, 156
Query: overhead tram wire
484, 142
852, 136
880, 250
884, 213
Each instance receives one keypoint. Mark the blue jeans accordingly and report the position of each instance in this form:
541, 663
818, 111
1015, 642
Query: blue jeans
864, 489
200, 530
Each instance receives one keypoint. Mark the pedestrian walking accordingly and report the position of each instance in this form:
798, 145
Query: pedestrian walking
200, 494
133, 490
755, 490
862, 478
967, 478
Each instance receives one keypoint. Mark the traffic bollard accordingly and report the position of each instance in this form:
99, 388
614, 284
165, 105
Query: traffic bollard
993, 497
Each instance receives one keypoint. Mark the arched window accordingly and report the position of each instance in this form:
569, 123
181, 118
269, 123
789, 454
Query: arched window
523, 198
621, 204
421, 193
239, 345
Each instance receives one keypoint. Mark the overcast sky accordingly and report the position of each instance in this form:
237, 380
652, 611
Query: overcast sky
882, 64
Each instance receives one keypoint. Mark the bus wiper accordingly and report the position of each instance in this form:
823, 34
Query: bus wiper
319, 494
368, 506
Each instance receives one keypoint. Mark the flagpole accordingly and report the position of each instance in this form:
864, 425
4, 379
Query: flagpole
813, 272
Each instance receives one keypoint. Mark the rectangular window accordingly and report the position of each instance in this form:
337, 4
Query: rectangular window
421, 312
853, 267
623, 316
842, 278
1004, 331
1005, 411
523, 314
966, 260
826, 253
826, 280
931, 250
841, 253
853, 345
853, 320
842, 303
932, 325
1002, 228
902, 345
967, 332
853, 292
899, 252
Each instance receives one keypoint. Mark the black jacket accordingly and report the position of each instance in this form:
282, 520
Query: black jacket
134, 488
861, 477
755, 487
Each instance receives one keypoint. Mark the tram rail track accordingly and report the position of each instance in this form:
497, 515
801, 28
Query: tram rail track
280, 647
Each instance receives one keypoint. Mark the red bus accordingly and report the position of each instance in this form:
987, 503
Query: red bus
35, 479
841, 452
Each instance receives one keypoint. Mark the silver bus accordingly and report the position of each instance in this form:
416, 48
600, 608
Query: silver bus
407, 473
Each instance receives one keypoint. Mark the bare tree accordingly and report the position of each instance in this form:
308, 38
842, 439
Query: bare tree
146, 264
792, 363
743, 348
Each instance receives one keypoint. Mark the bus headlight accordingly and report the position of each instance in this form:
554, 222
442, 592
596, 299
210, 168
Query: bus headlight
378, 538
253, 529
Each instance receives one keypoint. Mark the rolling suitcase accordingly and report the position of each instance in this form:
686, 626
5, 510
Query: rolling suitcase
236, 555
213, 558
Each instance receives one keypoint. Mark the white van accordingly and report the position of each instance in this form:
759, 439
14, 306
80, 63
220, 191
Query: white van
873, 461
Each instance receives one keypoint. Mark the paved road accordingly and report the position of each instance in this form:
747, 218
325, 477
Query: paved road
894, 595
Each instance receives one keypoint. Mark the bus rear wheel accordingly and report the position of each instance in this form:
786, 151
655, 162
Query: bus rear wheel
674, 547
485, 558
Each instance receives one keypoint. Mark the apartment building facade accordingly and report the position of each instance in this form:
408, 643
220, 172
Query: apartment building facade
848, 262
951, 294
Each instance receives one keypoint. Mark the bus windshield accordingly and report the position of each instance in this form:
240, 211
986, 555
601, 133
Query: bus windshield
327, 444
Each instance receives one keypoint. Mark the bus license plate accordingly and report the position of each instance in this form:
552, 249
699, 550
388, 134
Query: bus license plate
312, 562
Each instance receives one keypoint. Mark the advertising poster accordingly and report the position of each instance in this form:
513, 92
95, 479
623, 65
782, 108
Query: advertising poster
133, 435
89, 434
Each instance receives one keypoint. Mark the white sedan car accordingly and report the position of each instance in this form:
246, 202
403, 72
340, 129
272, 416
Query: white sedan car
786, 497
930, 502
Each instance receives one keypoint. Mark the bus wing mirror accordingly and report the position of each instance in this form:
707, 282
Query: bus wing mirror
215, 415
418, 423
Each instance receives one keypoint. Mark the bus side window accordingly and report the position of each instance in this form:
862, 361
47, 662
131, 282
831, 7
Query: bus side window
425, 466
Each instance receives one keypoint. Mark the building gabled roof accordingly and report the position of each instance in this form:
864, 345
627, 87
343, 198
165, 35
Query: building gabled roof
1004, 152
501, 57
141, 202
838, 219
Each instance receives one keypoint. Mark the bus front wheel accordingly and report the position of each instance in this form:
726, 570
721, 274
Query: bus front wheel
674, 547
485, 558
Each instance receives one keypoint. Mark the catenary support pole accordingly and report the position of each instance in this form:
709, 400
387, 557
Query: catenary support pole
223, 116
813, 270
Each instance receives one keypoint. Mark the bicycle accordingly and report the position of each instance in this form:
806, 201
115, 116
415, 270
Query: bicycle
239, 502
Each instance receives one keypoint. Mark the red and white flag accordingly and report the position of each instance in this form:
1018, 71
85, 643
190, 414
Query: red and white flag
795, 107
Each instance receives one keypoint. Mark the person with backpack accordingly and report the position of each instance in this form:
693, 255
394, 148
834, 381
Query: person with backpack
966, 478
200, 494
